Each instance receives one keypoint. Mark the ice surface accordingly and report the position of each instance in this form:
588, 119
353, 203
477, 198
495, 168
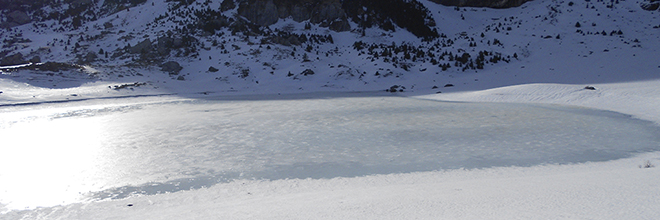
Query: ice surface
61, 153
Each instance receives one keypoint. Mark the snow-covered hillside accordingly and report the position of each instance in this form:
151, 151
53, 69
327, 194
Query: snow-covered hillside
479, 48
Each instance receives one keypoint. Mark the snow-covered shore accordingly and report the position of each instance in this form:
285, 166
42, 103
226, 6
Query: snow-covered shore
619, 189
606, 190
639, 99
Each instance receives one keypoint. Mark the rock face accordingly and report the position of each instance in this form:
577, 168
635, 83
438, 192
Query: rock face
259, 12
482, 3
327, 13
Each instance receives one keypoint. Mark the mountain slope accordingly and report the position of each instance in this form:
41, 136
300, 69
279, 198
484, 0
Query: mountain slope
209, 46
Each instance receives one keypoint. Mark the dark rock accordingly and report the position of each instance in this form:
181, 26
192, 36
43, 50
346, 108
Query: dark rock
385, 14
81, 2
171, 67
589, 88
18, 17
396, 88
307, 72
15, 59
142, 47
88, 58
227, 5
297, 12
213, 69
181, 78
340, 25
55, 67
328, 13
650, 5
449, 85
163, 46
259, 12
127, 86
108, 25
35, 59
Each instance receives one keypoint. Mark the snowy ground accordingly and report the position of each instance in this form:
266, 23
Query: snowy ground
625, 75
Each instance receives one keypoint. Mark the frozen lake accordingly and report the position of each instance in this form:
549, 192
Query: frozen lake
61, 153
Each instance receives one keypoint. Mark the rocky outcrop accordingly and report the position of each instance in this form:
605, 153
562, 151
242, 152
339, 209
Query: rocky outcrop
227, 5
142, 47
327, 13
35, 59
87, 58
19, 17
171, 67
650, 5
259, 12
15, 59
16, 18
410, 15
482, 3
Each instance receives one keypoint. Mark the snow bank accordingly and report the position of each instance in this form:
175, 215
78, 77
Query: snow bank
640, 99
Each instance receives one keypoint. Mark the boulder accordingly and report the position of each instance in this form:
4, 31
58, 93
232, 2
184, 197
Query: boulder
35, 59
18, 17
108, 25
213, 69
163, 45
171, 67
307, 72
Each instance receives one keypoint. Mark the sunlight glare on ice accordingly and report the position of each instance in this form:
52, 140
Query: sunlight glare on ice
50, 172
